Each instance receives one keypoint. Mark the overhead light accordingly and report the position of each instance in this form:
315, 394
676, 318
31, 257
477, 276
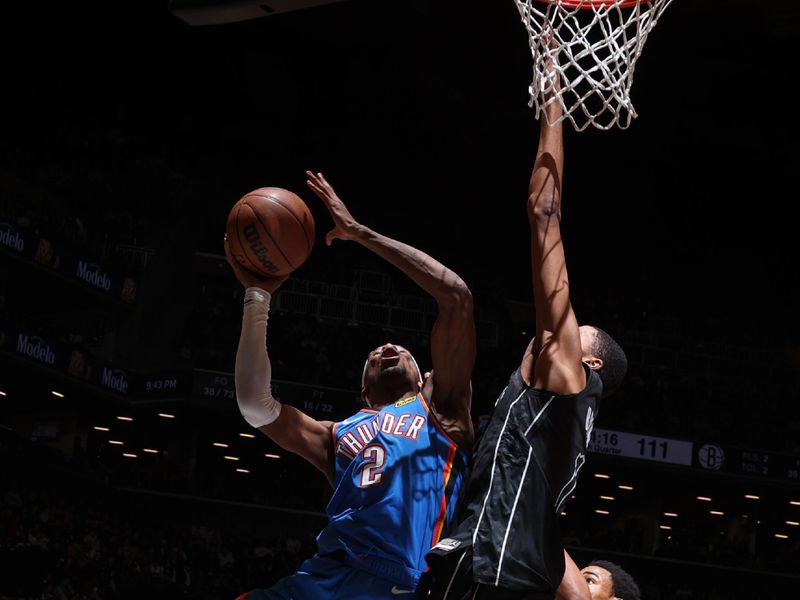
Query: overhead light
124, 419
795, 523
704, 498
272, 455
98, 428
606, 497
563, 513
57, 394
246, 435
166, 415
116, 442
718, 513
794, 502
625, 487
221, 445
2, 393
602, 476
242, 470
600, 511
129, 455
669, 514
781, 536
752, 497
150, 450
231, 458
665, 526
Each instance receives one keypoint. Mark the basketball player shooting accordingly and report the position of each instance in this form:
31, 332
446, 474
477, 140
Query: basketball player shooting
507, 543
397, 465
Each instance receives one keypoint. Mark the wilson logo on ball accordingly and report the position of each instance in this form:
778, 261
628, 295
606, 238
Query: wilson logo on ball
270, 231
251, 235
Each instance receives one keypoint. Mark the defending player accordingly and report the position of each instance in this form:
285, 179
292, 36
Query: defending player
507, 544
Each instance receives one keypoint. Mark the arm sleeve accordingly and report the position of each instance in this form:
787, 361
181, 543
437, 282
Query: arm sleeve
253, 372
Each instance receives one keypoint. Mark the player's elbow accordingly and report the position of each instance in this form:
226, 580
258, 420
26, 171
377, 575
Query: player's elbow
543, 208
457, 297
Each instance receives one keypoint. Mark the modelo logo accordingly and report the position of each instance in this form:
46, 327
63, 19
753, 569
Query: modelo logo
93, 275
10, 237
35, 347
115, 379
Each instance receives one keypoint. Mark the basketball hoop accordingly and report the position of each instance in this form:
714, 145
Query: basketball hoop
593, 46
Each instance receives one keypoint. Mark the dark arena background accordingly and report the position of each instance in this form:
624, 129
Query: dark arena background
127, 134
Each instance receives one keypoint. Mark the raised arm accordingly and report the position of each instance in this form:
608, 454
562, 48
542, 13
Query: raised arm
453, 344
288, 427
553, 359
573, 586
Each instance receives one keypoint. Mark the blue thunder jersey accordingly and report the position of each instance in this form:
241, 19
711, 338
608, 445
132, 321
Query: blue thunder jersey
398, 476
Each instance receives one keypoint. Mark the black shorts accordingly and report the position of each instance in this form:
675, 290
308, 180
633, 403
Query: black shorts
449, 577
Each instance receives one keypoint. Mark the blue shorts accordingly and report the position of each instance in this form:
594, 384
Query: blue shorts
326, 578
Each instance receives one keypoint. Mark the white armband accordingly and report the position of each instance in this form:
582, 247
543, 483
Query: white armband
253, 369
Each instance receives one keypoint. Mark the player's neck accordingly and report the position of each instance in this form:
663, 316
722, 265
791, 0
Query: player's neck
391, 398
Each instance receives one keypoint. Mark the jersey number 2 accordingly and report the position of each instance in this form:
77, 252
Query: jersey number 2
372, 469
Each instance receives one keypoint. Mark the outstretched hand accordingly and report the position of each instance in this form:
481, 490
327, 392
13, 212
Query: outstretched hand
249, 279
345, 227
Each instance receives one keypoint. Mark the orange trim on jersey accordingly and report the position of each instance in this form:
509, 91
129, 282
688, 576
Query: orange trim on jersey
448, 469
435, 419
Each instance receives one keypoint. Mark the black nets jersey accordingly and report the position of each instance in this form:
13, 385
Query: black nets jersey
525, 466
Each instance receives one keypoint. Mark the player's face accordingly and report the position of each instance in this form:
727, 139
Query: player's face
390, 361
600, 582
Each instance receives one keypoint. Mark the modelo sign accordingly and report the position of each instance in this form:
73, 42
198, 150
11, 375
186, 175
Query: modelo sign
114, 379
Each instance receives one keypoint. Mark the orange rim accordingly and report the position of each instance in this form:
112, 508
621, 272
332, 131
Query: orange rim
587, 4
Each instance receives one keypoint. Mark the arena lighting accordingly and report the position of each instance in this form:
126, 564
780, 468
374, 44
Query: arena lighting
272, 455
717, 513
242, 470
795, 523
794, 502
129, 455
166, 415
600, 511
602, 476
231, 458
220, 445
98, 428
124, 418
246, 435
665, 526
668, 514
704, 498
752, 497
781, 536
2, 393
563, 513
116, 442
57, 394
150, 450
625, 487
607, 498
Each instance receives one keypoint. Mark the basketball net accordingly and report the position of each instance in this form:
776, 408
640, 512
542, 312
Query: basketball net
593, 45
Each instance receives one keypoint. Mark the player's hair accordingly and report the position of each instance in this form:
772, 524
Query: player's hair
623, 585
615, 363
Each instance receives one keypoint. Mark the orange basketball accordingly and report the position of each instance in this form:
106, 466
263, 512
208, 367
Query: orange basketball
270, 231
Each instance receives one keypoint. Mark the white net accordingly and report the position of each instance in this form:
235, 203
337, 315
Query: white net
594, 47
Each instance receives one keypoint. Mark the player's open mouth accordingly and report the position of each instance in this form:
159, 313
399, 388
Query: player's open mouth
389, 358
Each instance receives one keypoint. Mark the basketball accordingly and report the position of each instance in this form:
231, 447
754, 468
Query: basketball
270, 231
